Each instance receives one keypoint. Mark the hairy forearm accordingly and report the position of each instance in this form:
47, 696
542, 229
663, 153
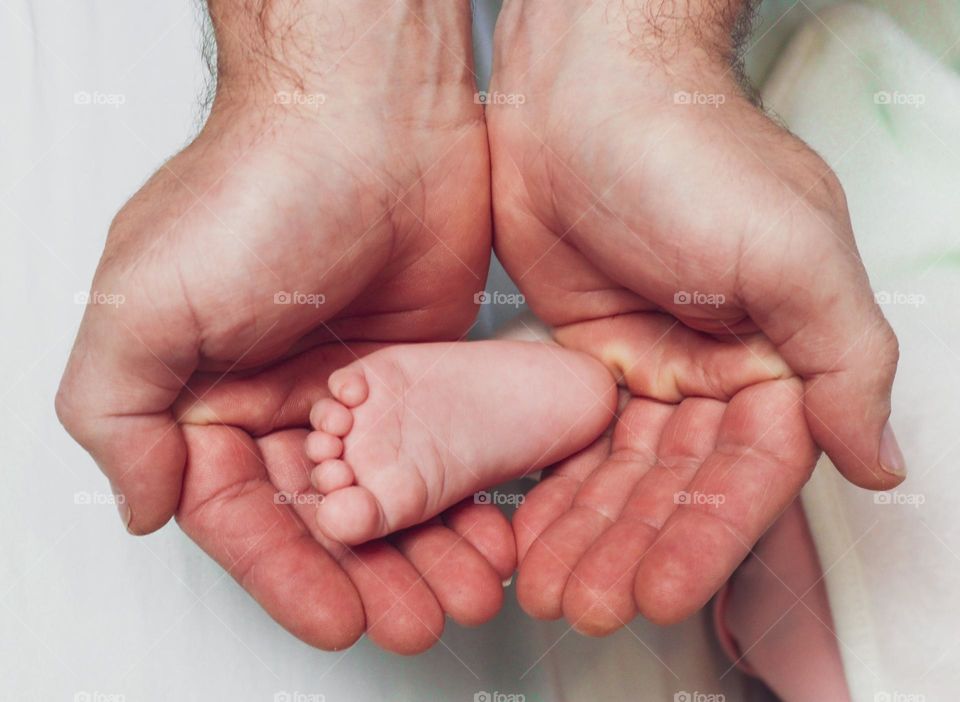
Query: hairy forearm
665, 29
290, 44
704, 21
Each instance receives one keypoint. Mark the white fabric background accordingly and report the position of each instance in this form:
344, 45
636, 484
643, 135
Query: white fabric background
86, 609
87, 612
893, 560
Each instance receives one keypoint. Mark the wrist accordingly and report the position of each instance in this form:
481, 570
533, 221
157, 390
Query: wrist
304, 52
677, 32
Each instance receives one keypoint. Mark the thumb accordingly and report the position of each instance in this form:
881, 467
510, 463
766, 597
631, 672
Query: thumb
276, 398
126, 368
821, 314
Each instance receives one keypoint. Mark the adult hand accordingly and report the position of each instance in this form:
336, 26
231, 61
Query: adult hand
632, 177
248, 502
338, 191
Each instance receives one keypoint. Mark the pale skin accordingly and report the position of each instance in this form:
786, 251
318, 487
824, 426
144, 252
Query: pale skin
411, 430
610, 206
381, 202
384, 188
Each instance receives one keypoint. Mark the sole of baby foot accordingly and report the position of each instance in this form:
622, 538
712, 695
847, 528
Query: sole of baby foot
431, 424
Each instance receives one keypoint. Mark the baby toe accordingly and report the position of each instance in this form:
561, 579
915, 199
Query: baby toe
331, 417
349, 386
331, 475
321, 446
351, 516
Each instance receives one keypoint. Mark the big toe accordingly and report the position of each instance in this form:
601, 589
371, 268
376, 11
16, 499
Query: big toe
351, 516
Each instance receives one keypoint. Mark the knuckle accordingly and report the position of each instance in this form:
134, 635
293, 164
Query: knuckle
69, 412
829, 191
888, 346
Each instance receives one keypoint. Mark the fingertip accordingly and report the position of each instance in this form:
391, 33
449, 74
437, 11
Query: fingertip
487, 529
146, 481
535, 596
465, 584
664, 597
690, 561
890, 454
589, 612
869, 460
402, 613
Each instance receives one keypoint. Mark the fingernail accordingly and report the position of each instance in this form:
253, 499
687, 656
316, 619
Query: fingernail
120, 500
891, 457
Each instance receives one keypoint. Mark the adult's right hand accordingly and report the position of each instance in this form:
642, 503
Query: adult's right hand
326, 199
657, 219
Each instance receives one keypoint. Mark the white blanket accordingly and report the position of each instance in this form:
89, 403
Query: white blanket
885, 112
96, 94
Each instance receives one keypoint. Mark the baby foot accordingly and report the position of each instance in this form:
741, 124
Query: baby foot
411, 430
